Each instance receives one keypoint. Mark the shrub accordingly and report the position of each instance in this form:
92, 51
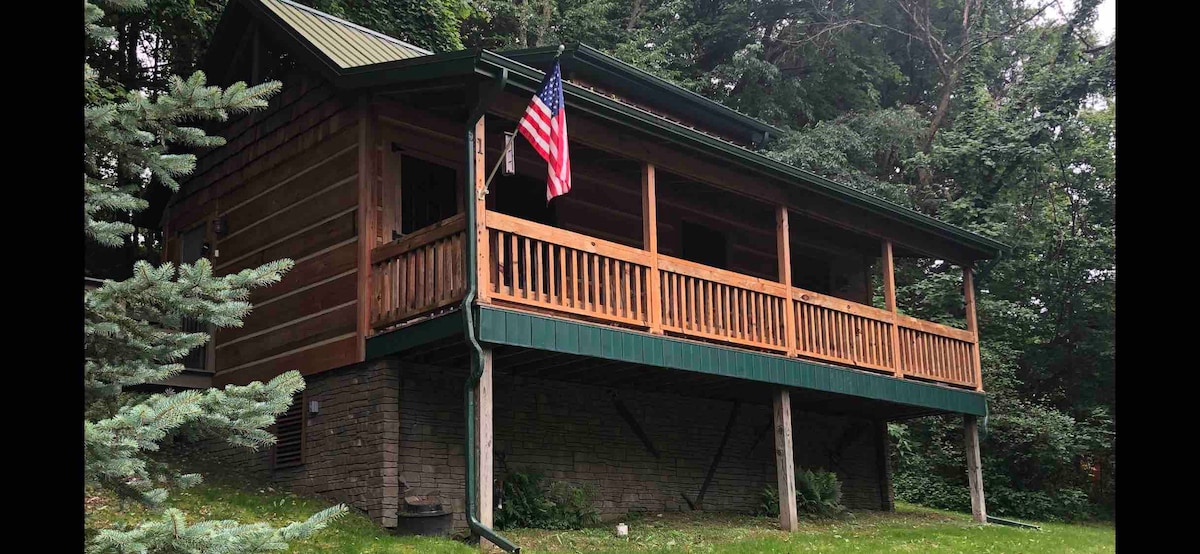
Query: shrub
769, 504
529, 502
818, 494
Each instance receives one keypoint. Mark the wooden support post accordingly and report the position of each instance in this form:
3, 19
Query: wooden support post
972, 323
887, 496
650, 244
784, 244
483, 265
390, 199
974, 468
785, 466
484, 481
365, 223
889, 297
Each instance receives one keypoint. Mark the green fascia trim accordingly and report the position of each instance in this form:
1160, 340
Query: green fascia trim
399, 340
507, 327
648, 84
448, 64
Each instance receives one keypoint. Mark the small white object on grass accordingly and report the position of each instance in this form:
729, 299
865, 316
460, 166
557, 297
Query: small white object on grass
622, 530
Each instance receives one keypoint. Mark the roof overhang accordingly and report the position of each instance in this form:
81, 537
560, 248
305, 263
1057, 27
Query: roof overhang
489, 65
641, 86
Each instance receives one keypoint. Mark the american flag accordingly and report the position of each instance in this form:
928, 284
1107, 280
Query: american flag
545, 127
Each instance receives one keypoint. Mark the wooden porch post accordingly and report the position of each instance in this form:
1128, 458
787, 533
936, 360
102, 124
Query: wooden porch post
365, 224
889, 297
972, 323
783, 243
482, 267
887, 495
650, 244
974, 468
483, 443
785, 466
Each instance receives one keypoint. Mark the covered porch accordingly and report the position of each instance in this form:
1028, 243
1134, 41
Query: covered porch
641, 248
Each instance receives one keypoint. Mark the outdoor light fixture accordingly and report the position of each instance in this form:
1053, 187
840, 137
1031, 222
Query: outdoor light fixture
314, 407
219, 226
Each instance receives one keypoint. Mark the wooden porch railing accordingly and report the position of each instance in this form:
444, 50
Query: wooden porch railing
837, 330
542, 268
545, 267
711, 303
419, 273
937, 352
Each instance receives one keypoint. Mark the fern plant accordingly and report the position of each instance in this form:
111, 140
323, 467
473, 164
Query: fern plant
818, 494
529, 503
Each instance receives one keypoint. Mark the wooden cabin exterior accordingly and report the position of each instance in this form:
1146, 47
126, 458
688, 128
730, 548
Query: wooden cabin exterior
722, 292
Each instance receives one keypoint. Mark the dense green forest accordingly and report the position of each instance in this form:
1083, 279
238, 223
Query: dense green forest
994, 115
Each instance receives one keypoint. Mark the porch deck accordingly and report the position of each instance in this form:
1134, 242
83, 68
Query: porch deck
544, 270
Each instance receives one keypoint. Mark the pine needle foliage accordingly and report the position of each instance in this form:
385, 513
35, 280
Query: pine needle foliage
133, 329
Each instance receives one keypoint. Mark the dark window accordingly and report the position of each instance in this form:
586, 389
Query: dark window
191, 245
811, 273
427, 193
523, 197
703, 245
191, 248
289, 434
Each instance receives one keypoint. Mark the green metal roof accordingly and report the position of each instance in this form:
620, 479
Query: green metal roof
344, 43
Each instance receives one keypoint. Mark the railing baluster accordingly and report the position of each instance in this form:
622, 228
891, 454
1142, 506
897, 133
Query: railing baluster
638, 304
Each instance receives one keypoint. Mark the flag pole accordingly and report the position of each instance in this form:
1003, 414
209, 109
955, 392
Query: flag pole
508, 143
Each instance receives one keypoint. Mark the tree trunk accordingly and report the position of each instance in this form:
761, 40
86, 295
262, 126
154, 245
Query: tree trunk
635, 13
943, 106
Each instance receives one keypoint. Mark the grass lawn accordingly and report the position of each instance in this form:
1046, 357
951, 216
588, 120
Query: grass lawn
909, 529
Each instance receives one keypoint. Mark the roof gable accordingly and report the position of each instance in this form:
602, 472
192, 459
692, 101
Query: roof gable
346, 44
336, 43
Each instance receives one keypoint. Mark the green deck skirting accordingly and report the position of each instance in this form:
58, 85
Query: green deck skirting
414, 335
499, 326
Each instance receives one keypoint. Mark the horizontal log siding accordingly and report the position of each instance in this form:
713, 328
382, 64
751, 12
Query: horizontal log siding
286, 185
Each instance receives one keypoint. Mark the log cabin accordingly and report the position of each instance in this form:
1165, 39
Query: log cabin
692, 322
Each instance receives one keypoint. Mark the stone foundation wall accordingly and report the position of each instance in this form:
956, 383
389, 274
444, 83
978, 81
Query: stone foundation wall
575, 433
350, 449
384, 427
